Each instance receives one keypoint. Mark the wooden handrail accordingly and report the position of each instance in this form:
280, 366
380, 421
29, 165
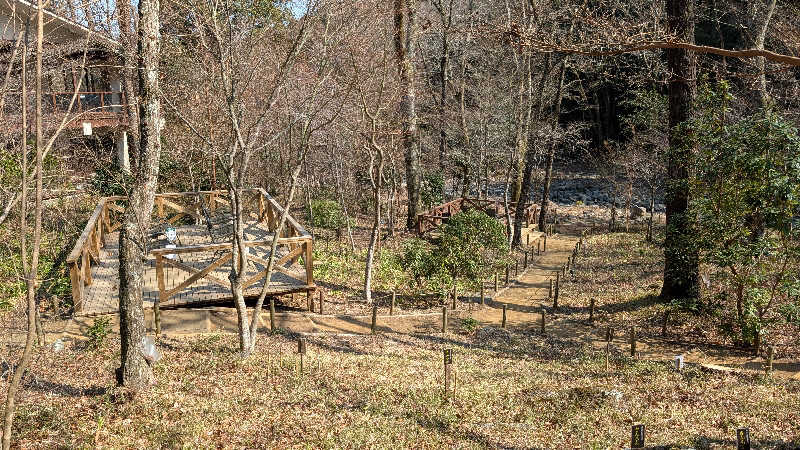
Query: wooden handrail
87, 247
91, 225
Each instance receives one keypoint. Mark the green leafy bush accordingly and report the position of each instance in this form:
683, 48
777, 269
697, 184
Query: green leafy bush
327, 214
417, 259
471, 244
745, 195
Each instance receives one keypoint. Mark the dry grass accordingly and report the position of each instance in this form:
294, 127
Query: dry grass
513, 390
624, 273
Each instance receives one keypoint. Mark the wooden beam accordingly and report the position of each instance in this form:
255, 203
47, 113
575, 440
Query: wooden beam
197, 274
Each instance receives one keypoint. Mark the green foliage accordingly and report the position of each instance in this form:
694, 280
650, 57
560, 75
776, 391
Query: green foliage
432, 189
469, 324
108, 181
470, 244
745, 195
98, 332
416, 259
327, 214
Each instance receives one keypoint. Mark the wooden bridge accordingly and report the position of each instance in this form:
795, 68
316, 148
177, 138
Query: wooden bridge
432, 219
194, 268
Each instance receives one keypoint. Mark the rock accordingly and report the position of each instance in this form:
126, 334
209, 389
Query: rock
637, 212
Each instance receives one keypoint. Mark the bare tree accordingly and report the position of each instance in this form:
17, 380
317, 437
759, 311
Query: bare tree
135, 371
404, 42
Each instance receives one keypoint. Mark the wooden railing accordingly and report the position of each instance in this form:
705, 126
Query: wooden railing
197, 206
104, 219
438, 215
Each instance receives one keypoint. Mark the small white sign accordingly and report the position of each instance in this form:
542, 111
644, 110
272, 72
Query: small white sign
87, 128
679, 362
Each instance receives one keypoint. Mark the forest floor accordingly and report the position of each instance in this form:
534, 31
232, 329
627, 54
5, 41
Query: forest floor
514, 387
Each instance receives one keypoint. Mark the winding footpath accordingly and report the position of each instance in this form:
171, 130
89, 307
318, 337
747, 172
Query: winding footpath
522, 298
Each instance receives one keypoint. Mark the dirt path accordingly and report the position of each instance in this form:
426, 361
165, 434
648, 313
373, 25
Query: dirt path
522, 298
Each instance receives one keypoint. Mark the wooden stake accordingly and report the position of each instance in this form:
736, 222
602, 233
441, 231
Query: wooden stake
508, 269
591, 310
633, 342
770, 357
455, 296
550, 295
496, 278
391, 306
374, 319
516, 269
448, 364
538, 248
444, 319
503, 324
272, 314
609, 337
543, 311
321, 301
310, 301
555, 294
526, 260
637, 436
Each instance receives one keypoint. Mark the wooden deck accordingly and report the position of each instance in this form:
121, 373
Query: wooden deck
197, 272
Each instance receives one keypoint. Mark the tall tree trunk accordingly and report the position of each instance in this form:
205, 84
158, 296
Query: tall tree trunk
30, 270
129, 39
681, 261
135, 372
444, 62
404, 39
551, 153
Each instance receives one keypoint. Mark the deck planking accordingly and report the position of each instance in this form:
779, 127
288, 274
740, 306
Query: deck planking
102, 296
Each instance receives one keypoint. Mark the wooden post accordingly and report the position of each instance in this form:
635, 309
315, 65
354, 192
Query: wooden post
550, 295
637, 436
272, 314
161, 293
544, 318
633, 342
508, 269
770, 357
321, 301
444, 319
374, 319
391, 306
483, 294
516, 269
743, 439
301, 350
503, 325
555, 294
310, 301
496, 277
77, 286
455, 295
538, 248
609, 337
591, 310
528, 239
448, 363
